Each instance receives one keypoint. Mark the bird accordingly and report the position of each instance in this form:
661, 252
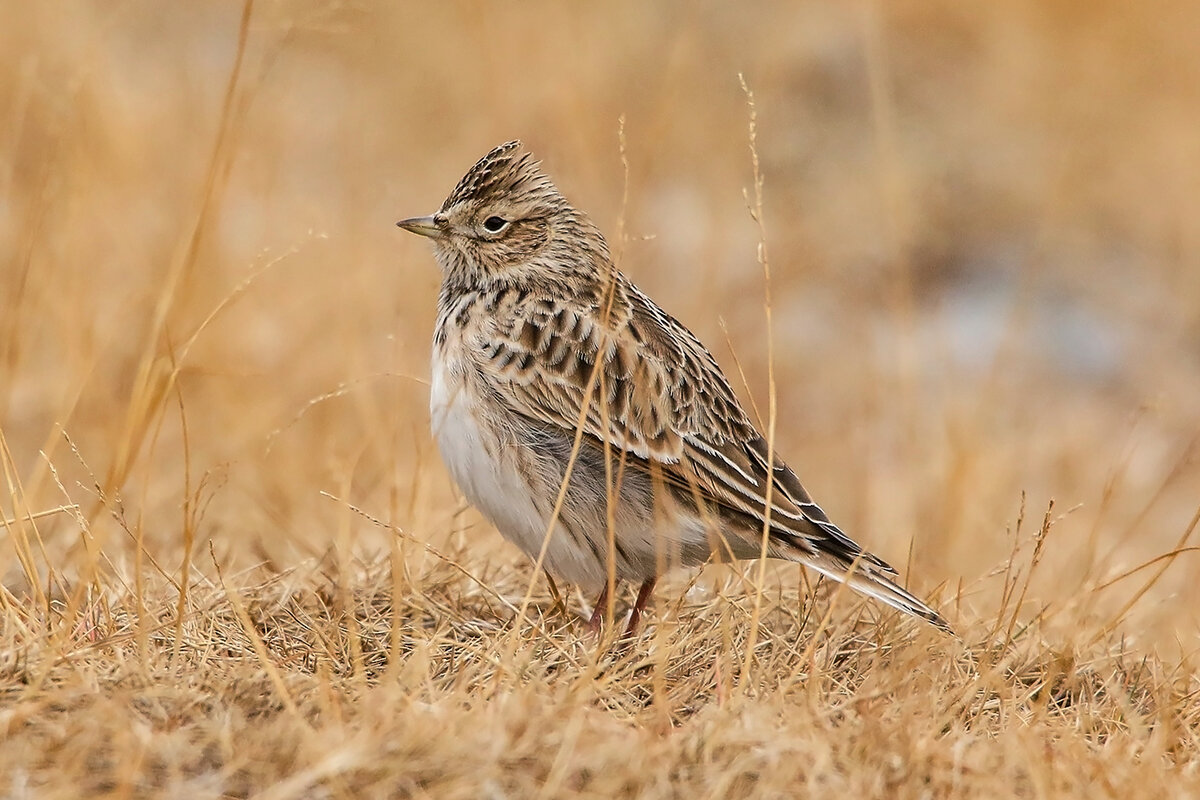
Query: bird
588, 425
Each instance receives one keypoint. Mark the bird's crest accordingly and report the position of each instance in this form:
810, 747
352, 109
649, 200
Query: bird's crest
504, 171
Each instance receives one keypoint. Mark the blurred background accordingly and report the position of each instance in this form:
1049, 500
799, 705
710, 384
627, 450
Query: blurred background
981, 227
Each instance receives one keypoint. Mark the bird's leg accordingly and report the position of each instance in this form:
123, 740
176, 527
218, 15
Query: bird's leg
635, 616
598, 610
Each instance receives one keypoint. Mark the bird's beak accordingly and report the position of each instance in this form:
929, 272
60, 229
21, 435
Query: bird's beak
423, 226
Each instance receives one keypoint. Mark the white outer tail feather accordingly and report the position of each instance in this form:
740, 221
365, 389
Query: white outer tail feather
863, 578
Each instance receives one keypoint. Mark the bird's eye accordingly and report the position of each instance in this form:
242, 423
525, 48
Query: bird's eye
494, 224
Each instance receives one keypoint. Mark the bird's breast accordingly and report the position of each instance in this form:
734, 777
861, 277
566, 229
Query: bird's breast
478, 453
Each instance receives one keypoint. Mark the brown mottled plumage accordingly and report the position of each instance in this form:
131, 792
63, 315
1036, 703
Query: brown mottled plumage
539, 338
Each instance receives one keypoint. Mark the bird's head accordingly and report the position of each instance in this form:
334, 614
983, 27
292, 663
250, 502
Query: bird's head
505, 220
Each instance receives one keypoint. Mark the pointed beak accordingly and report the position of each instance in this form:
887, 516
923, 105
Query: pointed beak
423, 226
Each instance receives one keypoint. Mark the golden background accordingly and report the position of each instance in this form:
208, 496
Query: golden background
981, 227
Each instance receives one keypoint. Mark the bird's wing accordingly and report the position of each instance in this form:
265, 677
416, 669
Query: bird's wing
646, 393
654, 392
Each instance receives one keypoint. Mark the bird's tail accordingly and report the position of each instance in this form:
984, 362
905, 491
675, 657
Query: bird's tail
869, 579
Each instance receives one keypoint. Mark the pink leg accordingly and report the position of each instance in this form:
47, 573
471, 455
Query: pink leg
639, 606
598, 611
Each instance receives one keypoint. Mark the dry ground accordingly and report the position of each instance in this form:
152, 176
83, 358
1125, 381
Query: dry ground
232, 565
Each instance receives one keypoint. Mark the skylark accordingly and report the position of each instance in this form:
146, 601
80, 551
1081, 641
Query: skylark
586, 423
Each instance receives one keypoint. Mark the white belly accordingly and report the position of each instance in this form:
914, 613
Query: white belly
488, 471
473, 460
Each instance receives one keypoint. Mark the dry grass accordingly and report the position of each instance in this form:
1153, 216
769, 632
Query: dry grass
232, 565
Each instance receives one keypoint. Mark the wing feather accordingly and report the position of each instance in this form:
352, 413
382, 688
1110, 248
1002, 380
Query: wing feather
657, 395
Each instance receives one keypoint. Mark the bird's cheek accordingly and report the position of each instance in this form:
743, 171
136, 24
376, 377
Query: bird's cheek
457, 249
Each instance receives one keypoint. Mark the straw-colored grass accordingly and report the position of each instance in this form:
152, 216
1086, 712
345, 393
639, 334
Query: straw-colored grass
231, 564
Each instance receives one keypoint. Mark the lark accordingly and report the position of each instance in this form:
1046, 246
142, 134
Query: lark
586, 423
